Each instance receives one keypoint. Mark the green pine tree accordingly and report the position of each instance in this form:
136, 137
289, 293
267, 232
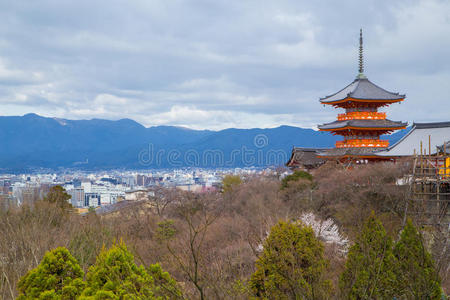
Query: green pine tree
230, 182
369, 270
58, 276
116, 276
417, 278
166, 286
59, 196
291, 265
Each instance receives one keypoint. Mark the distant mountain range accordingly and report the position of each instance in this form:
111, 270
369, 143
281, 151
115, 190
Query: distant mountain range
31, 142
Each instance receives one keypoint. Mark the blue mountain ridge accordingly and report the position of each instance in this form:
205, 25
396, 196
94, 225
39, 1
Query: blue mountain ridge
32, 141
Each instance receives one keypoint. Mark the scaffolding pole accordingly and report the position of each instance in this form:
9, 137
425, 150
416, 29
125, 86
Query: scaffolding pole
430, 188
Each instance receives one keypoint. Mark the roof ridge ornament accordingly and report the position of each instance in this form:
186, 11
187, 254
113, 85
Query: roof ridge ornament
361, 57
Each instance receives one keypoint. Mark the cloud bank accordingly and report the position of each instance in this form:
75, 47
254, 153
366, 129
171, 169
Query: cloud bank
218, 64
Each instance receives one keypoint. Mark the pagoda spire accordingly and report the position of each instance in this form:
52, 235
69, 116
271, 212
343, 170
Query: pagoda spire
361, 57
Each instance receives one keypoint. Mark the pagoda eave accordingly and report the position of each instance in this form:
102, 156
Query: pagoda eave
362, 128
349, 100
352, 153
355, 156
352, 158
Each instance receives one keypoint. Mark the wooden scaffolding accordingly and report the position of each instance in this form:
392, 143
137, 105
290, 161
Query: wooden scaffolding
430, 188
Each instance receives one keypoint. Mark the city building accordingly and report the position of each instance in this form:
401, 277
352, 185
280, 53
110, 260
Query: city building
77, 195
92, 200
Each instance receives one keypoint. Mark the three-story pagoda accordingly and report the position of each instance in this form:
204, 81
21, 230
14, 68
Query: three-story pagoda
362, 124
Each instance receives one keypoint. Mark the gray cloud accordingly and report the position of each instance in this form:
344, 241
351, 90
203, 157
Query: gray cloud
217, 64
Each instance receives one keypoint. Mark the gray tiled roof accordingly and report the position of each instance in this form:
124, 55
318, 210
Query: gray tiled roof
432, 125
363, 124
306, 157
348, 151
437, 133
362, 88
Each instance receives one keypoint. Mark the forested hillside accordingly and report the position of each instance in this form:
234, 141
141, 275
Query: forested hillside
331, 234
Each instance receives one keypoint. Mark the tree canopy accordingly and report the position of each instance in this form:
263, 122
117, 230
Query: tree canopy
417, 277
116, 276
291, 265
58, 276
369, 270
59, 196
230, 181
296, 176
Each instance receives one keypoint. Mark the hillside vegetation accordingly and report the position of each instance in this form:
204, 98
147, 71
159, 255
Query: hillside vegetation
337, 234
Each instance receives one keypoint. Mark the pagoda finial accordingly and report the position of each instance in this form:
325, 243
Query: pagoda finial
361, 57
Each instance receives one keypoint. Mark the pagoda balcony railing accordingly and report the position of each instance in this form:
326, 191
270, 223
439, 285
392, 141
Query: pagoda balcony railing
362, 115
362, 143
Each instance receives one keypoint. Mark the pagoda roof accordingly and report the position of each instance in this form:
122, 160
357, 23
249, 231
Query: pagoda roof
362, 124
362, 89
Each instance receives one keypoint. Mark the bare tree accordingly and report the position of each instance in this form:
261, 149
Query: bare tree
163, 197
195, 216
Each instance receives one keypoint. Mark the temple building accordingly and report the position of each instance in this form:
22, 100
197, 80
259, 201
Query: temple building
362, 124
422, 138
305, 158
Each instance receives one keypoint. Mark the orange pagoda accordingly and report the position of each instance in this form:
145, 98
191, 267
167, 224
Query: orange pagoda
362, 124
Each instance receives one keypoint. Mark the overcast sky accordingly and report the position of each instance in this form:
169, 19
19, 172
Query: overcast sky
219, 63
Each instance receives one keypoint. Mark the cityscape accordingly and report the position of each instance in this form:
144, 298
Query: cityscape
104, 188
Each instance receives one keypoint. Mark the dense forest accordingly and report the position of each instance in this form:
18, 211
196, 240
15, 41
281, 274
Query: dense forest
335, 233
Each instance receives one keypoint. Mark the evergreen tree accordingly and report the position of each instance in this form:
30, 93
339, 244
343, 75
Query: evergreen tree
291, 265
166, 286
58, 276
296, 176
58, 195
416, 275
369, 270
230, 182
116, 276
